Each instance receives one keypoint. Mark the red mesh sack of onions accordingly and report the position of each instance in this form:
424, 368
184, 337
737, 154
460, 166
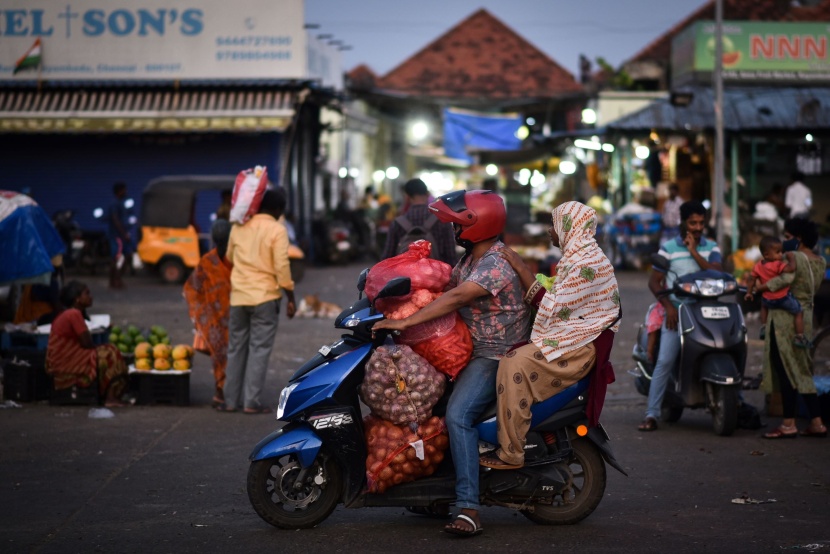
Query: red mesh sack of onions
400, 386
394, 308
415, 263
450, 352
397, 454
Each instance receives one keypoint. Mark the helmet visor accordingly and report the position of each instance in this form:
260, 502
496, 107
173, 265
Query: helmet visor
455, 201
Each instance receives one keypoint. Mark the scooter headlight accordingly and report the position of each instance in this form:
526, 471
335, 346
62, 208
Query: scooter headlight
286, 392
691, 288
710, 287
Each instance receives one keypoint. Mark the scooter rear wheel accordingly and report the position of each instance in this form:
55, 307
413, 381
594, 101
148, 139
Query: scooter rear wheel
274, 496
584, 494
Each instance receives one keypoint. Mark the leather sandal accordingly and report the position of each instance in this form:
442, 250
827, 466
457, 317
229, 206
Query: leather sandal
780, 433
453, 529
493, 461
649, 424
818, 432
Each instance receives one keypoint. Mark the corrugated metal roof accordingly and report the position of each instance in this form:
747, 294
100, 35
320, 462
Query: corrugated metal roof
745, 109
148, 103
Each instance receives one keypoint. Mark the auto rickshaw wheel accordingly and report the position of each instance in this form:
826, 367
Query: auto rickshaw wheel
172, 270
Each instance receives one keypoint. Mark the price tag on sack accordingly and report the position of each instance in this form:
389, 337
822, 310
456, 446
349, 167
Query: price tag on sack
418, 445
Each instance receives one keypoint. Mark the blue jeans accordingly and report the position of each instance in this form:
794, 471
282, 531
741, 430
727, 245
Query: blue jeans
666, 360
473, 393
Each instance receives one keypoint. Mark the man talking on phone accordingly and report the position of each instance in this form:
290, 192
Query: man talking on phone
687, 253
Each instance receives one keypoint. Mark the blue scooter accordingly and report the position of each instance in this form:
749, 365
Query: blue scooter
299, 473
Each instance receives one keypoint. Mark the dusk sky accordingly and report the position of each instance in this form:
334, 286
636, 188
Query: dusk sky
384, 33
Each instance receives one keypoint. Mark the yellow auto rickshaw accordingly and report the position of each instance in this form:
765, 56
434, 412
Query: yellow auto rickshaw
169, 241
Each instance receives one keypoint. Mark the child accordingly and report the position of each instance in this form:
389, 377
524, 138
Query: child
654, 322
771, 265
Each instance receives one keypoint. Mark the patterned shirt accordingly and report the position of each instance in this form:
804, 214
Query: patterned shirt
441, 232
502, 319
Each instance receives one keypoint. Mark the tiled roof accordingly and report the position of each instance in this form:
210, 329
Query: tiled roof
362, 77
736, 10
480, 57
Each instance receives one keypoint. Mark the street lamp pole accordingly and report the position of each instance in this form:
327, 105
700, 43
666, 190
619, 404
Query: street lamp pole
718, 204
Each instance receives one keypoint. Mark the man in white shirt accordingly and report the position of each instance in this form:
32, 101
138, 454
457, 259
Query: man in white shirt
671, 213
798, 199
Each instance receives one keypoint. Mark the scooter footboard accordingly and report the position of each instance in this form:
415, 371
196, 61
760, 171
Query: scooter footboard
294, 438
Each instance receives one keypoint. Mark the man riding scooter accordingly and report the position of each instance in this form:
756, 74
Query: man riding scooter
687, 253
488, 294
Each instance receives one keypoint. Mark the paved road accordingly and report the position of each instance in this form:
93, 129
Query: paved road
171, 479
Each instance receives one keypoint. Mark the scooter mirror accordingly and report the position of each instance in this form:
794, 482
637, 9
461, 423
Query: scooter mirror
399, 286
361, 280
660, 262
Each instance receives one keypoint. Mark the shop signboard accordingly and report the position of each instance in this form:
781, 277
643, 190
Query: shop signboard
152, 40
753, 51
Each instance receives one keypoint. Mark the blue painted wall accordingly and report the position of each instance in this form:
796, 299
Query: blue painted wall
78, 171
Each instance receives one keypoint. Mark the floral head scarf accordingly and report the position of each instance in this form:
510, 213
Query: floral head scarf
584, 299
576, 225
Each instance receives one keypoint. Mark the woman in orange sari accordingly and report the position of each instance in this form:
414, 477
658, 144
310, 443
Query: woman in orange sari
208, 295
71, 357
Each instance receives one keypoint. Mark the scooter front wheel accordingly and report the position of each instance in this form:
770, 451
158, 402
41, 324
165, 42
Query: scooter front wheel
583, 493
723, 403
283, 501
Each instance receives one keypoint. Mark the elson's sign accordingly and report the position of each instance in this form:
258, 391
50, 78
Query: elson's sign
154, 39
754, 51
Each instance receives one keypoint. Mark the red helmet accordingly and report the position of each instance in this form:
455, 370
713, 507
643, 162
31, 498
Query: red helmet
479, 213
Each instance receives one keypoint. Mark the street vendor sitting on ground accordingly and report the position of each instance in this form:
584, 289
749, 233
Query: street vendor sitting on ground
71, 357
583, 301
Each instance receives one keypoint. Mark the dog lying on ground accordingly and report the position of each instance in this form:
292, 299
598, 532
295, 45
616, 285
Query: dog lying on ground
311, 306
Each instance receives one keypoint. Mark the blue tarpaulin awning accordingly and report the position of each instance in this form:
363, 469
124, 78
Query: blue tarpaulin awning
464, 130
28, 240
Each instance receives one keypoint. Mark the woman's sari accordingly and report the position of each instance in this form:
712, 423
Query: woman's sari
208, 296
70, 364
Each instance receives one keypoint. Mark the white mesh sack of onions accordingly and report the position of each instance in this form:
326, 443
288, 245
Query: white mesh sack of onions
400, 386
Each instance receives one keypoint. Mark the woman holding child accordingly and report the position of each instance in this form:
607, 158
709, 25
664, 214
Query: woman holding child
788, 368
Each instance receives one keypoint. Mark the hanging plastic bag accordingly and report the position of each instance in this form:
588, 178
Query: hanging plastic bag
248, 191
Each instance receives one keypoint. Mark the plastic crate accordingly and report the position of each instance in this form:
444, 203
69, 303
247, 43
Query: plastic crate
18, 340
24, 376
153, 388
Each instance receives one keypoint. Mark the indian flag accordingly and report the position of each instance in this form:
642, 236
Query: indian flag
30, 59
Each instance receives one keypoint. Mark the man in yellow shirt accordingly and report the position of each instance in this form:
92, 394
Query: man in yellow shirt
258, 251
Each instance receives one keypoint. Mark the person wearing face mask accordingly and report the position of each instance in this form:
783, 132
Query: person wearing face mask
487, 293
788, 369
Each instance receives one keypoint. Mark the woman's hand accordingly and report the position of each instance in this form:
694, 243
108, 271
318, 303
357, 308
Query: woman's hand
519, 266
